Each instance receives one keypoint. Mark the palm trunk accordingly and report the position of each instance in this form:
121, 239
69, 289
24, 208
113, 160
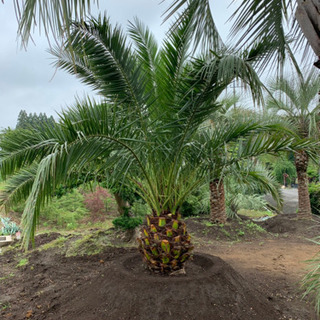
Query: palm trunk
217, 201
165, 243
301, 162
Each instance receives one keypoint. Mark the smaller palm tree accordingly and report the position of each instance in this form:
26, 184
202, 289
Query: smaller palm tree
296, 99
231, 141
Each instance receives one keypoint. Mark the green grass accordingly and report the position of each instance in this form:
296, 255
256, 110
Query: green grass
7, 277
255, 213
209, 224
57, 243
253, 227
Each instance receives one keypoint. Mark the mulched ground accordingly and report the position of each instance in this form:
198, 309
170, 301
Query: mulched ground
115, 285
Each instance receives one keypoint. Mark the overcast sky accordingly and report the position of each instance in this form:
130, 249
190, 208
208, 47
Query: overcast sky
27, 78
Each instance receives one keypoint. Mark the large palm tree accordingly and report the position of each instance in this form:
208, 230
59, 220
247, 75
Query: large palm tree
153, 102
297, 100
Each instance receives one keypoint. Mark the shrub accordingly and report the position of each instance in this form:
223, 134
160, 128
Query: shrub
283, 166
140, 209
98, 202
134, 218
313, 173
314, 194
126, 222
9, 227
65, 212
197, 203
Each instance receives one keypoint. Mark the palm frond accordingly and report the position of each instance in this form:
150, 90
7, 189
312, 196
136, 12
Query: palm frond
18, 187
206, 32
147, 53
101, 58
53, 16
297, 99
260, 20
255, 177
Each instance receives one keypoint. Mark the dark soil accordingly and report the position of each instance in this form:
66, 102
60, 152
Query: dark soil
115, 285
234, 230
291, 225
44, 238
257, 278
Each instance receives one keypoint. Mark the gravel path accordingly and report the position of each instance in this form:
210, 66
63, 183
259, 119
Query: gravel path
290, 200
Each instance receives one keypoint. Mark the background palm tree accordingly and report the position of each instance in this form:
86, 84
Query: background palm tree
154, 101
296, 99
232, 140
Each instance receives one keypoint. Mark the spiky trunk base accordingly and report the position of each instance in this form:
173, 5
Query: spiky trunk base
165, 243
217, 201
301, 162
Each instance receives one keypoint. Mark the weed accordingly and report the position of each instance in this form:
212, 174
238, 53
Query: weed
90, 244
4, 306
209, 224
241, 233
7, 277
253, 227
22, 262
226, 233
57, 243
205, 232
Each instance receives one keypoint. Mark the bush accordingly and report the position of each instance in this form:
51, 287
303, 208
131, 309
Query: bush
197, 203
126, 222
134, 218
314, 194
99, 202
281, 167
313, 173
140, 209
66, 211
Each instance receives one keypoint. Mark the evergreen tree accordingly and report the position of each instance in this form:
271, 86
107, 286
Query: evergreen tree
33, 120
22, 120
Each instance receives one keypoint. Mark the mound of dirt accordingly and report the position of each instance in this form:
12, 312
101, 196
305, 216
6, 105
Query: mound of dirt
44, 238
235, 229
115, 285
290, 224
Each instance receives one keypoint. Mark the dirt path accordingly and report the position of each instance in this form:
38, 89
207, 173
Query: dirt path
276, 266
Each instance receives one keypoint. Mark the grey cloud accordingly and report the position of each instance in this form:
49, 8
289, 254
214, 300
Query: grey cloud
25, 77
